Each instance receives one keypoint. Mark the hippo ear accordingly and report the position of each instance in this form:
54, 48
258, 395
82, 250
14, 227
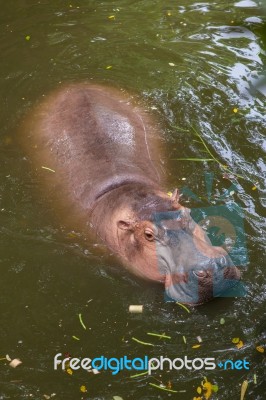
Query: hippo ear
125, 225
175, 196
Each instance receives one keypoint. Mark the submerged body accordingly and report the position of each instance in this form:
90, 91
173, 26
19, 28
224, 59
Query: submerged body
106, 157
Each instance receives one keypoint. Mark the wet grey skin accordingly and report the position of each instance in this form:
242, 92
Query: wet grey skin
190, 276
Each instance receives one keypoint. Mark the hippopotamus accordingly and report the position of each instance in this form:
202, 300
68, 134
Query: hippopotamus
104, 158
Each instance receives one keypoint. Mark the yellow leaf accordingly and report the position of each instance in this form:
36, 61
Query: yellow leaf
196, 346
69, 371
111, 17
83, 389
109, 67
260, 349
244, 387
254, 188
235, 340
169, 194
199, 390
207, 386
235, 110
240, 344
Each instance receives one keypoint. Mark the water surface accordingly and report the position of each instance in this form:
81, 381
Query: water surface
194, 64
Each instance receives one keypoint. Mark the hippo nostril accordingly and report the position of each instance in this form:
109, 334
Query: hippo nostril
200, 274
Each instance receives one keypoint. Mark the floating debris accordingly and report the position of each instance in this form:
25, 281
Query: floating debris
162, 387
244, 387
136, 309
15, 363
48, 169
161, 336
141, 374
183, 306
82, 323
83, 389
141, 342
260, 349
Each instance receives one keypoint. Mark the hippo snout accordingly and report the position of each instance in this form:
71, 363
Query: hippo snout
203, 282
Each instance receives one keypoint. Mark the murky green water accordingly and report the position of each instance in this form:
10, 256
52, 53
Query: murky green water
193, 63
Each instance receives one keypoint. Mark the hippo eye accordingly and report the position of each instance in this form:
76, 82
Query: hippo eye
149, 235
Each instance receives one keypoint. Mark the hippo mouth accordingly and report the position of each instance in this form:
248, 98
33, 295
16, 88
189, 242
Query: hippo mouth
199, 285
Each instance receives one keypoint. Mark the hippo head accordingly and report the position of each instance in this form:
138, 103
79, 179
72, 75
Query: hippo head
160, 241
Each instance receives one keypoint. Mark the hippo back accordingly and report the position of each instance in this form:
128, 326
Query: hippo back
94, 139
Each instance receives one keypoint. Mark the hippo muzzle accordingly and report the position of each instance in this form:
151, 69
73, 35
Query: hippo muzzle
194, 270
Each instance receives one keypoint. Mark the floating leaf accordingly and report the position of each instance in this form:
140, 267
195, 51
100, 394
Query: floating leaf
141, 374
171, 64
183, 306
109, 67
169, 194
184, 339
69, 371
111, 17
235, 340
48, 169
235, 110
161, 336
82, 323
199, 339
140, 341
193, 159
254, 188
27, 37
244, 387
260, 349
215, 388
196, 346
117, 398
199, 390
75, 337
207, 387
255, 379
83, 389
240, 344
